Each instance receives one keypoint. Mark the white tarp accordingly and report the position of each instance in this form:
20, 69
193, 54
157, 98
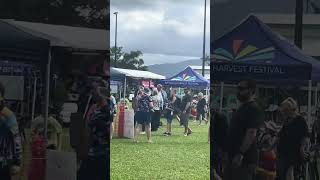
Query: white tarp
138, 74
66, 36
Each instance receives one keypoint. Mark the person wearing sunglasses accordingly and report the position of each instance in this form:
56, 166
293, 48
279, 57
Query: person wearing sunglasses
242, 148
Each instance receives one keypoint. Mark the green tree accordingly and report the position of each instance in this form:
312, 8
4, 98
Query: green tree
132, 60
83, 13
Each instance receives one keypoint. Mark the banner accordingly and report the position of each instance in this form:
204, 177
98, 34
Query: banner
237, 71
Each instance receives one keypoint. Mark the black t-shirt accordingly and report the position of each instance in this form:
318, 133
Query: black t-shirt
249, 115
186, 99
201, 104
290, 138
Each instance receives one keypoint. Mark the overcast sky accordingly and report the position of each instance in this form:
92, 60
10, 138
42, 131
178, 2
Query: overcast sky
163, 30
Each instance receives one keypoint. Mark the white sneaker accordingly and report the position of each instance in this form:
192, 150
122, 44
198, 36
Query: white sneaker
143, 133
185, 134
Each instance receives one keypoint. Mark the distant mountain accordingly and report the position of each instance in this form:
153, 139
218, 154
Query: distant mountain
171, 69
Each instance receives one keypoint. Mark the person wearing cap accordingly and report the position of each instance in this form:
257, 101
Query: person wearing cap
293, 140
186, 110
201, 108
11, 146
145, 107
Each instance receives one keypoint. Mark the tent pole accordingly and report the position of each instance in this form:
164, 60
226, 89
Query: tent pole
34, 97
125, 88
221, 96
46, 113
309, 103
316, 96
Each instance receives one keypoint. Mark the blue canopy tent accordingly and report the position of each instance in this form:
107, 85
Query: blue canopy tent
252, 50
187, 78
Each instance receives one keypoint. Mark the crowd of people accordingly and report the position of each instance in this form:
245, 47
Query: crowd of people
150, 104
237, 153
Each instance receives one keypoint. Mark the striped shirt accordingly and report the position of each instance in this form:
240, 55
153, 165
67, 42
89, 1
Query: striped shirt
10, 140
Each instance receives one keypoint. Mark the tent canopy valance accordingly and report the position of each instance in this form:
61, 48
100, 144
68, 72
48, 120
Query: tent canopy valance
134, 74
79, 38
187, 78
252, 50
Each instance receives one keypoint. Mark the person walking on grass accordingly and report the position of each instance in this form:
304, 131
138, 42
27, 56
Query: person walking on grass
10, 147
145, 107
201, 109
186, 110
135, 104
113, 112
155, 114
170, 112
241, 142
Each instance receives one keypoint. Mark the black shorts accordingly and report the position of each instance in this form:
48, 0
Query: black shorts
184, 117
143, 117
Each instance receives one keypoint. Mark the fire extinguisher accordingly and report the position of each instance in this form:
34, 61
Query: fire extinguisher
37, 171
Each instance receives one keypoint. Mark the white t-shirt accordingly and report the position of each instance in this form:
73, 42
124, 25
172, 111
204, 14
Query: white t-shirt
156, 102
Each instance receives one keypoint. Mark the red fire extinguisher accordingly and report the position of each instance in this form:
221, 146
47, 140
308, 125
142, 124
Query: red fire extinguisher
37, 171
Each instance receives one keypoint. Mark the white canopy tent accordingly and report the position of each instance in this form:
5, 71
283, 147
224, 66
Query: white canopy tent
136, 74
77, 38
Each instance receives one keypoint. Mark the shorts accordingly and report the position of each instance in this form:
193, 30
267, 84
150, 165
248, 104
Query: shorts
169, 116
184, 117
202, 114
143, 117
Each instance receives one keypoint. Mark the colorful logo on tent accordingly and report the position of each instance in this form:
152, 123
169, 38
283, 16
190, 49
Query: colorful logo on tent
243, 53
184, 77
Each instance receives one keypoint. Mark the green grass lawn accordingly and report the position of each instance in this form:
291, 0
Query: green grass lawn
173, 157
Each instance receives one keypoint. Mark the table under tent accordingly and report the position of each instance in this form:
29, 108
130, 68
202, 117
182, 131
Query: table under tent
252, 50
188, 78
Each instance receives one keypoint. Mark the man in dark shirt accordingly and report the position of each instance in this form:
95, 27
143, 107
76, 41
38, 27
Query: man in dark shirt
186, 109
201, 109
241, 143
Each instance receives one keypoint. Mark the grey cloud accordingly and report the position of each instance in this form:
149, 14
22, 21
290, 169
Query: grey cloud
164, 39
